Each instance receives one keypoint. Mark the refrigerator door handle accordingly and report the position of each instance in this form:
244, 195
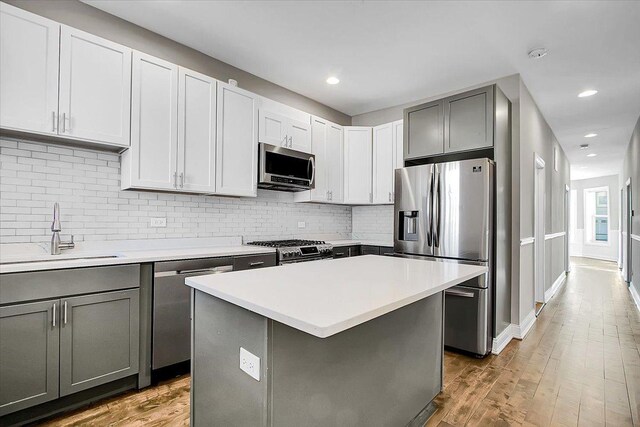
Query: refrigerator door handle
436, 208
429, 209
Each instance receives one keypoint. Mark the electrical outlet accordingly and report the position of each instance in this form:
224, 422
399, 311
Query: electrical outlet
250, 363
158, 222
302, 224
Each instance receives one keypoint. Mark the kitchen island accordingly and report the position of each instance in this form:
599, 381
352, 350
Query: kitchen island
352, 341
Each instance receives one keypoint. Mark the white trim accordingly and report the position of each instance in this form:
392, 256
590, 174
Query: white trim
520, 331
501, 341
554, 235
555, 287
527, 241
634, 296
635, 237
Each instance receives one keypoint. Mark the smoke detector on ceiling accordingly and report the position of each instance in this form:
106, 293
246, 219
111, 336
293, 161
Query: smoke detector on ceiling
538, 53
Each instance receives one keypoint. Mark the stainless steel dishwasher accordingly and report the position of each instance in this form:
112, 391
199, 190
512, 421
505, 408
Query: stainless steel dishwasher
171, 307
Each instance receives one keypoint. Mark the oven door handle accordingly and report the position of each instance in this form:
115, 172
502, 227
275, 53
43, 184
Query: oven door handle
212, 270
457, 293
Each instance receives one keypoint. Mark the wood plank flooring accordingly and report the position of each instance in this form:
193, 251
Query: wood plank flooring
578, 366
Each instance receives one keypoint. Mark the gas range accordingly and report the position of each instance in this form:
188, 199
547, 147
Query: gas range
298, 250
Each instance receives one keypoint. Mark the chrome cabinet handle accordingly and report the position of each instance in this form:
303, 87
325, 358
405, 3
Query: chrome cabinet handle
175, 179
181, 179
64, 316
330, 195
290, 142
284, 141
53, 120
64, 122
53, 316
389, 195
255, 264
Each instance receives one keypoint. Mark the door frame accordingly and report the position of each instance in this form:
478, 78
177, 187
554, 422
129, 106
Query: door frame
567, 213
539, 198
629, 213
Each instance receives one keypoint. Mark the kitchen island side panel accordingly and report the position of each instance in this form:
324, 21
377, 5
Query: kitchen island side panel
222, 394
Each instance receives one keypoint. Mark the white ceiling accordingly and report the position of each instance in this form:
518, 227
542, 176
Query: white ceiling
392, 52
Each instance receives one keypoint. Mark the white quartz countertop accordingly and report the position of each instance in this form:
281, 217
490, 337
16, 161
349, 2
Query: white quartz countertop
326, 297
24, 262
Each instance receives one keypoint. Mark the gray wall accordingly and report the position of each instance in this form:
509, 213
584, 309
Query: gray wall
87, 18
631, 170
536, 137
612, 182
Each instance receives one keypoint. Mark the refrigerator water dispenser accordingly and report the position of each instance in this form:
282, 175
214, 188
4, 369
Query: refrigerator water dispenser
408, 225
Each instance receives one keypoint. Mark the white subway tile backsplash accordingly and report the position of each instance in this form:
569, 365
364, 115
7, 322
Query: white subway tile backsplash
373, 223
86, 183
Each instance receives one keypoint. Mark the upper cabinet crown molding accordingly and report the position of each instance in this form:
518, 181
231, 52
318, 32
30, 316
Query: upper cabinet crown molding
95, 88
29, 63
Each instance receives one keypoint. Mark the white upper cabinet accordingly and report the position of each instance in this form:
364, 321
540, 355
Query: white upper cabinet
95, 88
327, 146
237, 137
29, 55
357, 165
383, 164
150, 163
334, 156
398, 130
196, 132
283, 126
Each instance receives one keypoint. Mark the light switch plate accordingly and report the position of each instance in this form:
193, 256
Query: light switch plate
302, 224
158, 222
250, 363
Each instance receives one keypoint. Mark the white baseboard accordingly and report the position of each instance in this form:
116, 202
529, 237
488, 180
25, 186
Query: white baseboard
549, 293
634, 296
520, 331
601, 258
501, 341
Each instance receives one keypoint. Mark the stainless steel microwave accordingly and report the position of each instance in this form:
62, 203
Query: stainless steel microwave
285, 169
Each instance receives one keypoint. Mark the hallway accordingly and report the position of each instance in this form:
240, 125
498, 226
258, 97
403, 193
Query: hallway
579, 365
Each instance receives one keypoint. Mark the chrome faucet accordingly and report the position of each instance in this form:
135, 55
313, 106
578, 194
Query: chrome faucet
56, 244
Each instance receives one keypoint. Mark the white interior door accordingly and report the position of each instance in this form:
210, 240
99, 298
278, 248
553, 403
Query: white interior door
154, 135
539, 229
196, 132
358, 165
335, 163
237, 138
383, 164
29, 54
95, 88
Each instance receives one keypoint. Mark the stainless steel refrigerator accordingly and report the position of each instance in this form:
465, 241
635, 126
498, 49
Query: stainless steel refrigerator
444, 212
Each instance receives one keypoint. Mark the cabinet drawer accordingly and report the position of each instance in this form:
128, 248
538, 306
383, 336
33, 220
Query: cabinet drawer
370, 250
346, 251
386, 250
16, 287
254, 261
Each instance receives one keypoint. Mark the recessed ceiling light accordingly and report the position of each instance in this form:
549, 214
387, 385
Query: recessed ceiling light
333, 80
591, 155
584, 146
538, 53
590, 135
586, 93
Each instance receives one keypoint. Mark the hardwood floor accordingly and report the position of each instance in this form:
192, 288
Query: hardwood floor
579, 365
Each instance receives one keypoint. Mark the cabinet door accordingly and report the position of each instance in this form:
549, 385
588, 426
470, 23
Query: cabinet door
424, 130
468, 120
237, 138
98, 339
29, 351
95, 88
383, 164
272, 128
335, 163
196, 132
357, 165
299, 136
29, 53
319, 129
154, 135
398, 129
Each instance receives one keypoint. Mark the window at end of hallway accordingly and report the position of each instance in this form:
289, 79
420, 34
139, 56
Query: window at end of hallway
596, 215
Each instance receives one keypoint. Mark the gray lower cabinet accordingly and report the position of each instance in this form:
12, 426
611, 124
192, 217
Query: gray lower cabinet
250, 262
346, 251
370, 250
29, 354
98, 339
